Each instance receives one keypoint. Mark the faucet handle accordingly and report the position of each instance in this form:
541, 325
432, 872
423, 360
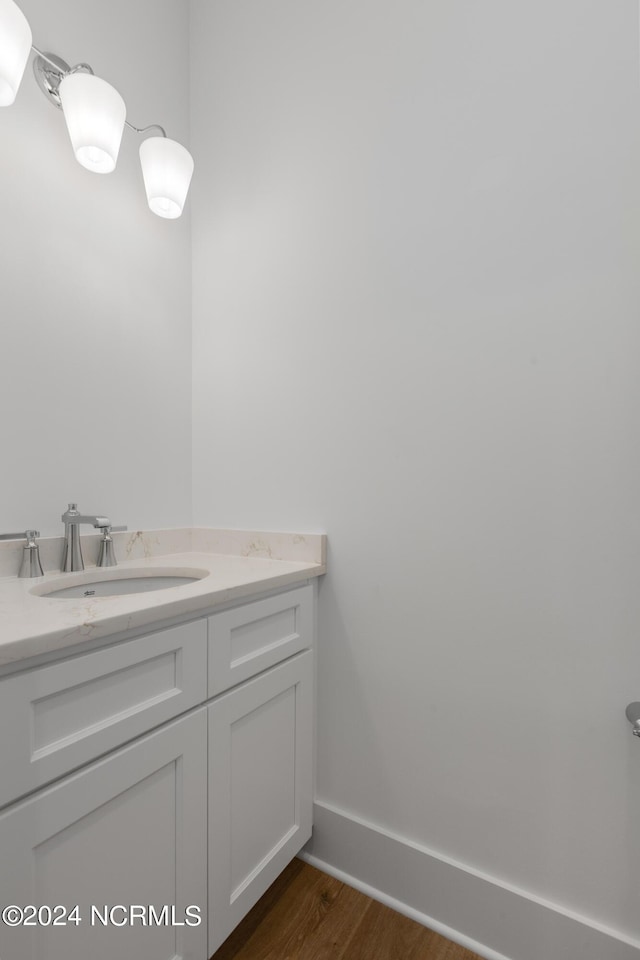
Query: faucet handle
28, 534
107, 556
31, 566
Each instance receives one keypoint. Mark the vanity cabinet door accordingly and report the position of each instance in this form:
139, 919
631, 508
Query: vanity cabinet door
260, 787
126, 831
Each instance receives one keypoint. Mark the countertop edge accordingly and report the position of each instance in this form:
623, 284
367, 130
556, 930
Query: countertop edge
27, 647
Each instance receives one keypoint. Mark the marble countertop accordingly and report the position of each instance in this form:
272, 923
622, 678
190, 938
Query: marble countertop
231, 565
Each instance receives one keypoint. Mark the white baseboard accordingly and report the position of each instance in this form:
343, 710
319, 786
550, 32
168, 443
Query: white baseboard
494, 920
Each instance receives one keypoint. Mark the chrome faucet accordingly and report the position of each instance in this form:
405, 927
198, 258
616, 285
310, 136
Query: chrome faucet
72, 553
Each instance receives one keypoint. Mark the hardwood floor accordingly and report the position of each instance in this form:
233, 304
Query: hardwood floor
307, 915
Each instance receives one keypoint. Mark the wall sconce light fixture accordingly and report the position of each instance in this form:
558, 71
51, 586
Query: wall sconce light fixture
95, 115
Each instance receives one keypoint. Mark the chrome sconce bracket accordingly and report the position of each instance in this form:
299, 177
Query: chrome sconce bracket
633, 716
49, 70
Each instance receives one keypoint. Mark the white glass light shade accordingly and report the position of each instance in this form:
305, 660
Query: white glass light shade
15, 47
95, 114
167, 168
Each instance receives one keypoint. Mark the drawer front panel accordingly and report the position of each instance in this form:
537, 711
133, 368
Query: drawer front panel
248, 639
66, 714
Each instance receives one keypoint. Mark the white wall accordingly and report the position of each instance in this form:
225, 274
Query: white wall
416, 326
95, 338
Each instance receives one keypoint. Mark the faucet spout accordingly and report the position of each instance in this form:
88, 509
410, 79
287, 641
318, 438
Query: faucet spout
72, 559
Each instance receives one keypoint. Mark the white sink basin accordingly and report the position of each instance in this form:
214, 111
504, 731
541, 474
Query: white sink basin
116, 583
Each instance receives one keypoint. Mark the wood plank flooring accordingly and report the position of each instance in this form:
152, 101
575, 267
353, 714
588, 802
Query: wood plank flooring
307, 915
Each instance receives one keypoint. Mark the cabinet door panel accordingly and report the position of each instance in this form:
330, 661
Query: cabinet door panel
125, 831
260, 788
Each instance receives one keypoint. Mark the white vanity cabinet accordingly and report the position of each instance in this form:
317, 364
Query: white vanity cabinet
169, 770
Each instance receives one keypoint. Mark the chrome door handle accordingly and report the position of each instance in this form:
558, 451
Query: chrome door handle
633, 716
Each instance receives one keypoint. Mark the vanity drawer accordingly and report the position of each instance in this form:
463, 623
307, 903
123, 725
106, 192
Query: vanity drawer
57, 717
245, 640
